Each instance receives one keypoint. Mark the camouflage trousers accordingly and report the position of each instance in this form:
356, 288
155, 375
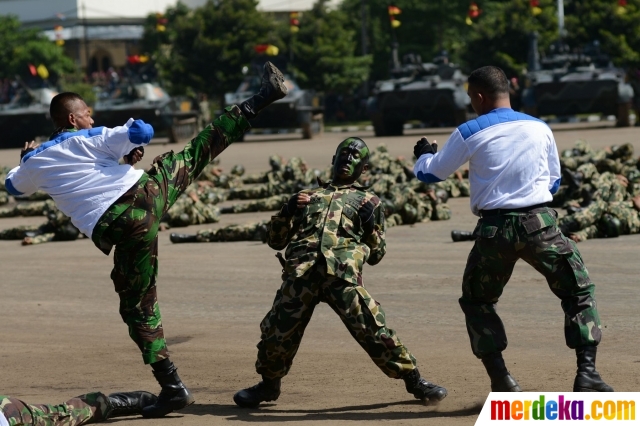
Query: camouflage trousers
248, 232
283, 327
535, 238
131, 225
90, 408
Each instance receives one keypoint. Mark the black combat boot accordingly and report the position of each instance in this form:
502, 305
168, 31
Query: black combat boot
501, 380
130, 403
226, 210
271, 90
183, 238
266, 390
462, 236
587, 378
421, 389
173, 396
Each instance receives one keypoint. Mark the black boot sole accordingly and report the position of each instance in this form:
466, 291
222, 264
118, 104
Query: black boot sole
167, 408
433, 400
246, 404
276, 79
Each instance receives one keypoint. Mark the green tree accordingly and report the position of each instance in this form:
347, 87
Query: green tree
616, 27
205, 49
324, 51
427, 28
501, 35
20, 47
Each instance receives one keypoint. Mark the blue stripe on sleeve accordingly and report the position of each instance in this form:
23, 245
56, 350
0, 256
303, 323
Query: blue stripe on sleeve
140, 133
555, 186
428, 177
10, 188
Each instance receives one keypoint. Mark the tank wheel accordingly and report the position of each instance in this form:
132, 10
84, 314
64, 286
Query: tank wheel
623, 115
461, 117
306, 131
394, 128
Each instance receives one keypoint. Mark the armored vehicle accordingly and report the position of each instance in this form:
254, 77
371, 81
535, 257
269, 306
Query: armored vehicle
433, 93
300, 109
568, 83
147, 101
26, 117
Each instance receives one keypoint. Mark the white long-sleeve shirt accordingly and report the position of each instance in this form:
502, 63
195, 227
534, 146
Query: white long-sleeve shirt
513, 160
80, 170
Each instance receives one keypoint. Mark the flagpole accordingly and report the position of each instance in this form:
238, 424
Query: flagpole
560, 19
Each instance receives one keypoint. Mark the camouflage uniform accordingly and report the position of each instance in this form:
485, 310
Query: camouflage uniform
187, 211
132, 222
263, 205
325, 252
263, 190
4, 197
534, 237
611, 199
247, 232
36, 208
58, 227
90, 408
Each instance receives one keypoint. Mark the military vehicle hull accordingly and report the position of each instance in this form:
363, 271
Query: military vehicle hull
433, 107
23, 125
300, 109
152, 105
432, 93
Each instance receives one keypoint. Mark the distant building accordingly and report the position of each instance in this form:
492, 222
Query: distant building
113, 28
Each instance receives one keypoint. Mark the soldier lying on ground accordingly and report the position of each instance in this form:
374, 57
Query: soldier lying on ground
256, 231
35, 208
329, 233
93, 407
58, 227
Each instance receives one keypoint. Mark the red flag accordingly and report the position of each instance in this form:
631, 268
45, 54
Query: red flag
393, 10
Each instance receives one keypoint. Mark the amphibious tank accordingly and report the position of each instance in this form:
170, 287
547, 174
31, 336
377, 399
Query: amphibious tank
569, 82
26, 117
174, 118
433, 93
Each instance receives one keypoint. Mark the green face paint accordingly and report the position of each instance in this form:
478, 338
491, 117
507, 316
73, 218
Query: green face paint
351, 157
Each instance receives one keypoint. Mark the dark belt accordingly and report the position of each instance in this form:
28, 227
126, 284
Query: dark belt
498, 212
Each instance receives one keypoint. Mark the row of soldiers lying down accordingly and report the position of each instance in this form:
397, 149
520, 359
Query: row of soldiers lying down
407, 200
600, 191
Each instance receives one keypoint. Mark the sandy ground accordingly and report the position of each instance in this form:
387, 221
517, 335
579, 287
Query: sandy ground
62, 335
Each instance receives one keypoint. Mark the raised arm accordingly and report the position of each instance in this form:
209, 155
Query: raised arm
435, 167
121, 140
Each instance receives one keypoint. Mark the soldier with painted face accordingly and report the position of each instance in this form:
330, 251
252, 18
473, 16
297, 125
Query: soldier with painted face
329, 233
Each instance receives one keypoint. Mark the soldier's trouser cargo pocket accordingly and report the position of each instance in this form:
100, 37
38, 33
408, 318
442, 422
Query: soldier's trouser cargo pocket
535, 238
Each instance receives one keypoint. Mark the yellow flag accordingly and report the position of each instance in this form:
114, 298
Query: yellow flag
43, 72
468, 21
395, 23
272, 50
536, 11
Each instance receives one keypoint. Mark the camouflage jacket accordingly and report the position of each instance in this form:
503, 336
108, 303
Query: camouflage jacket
329, 227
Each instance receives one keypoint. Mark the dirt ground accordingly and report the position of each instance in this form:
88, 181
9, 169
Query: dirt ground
62, 335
